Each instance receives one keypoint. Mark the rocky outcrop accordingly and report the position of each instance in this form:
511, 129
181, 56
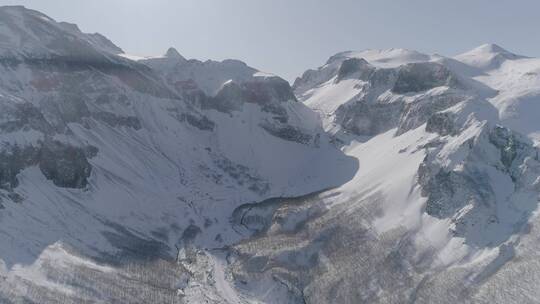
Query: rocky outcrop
22, 116
242, 175
65, 165
442, 123
466, 193
200, 122
355, 67
365, 118
513, 149
13, 160
114, 120
418, 77
386, 97
267, 92
287, 132
422, 109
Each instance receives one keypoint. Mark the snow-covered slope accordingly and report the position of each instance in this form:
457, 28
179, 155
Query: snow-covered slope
208, 76
487, 57
517, 82
30, 33
443, 202
103, 156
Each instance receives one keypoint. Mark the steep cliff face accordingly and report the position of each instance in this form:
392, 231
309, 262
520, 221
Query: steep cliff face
368, 99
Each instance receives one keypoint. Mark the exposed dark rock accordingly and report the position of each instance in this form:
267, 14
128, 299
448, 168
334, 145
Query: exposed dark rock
66, 166
131, 247
355, 67
90, 151
513, 149
114, 120
371, 115
191, 233
363, 118
418, 77
229, 98
419, 112
268, 93
288, 133
470, 185
15, 197
243, 175
24, 116
255, 217
13, 160
67, 108
449, 191
442, 123
200, 122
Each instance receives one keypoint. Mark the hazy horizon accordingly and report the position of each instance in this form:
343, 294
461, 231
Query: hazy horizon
287, 38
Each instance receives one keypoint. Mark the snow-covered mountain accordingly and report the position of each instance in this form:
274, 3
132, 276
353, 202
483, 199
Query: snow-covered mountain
443, 206
384, 176
112, 158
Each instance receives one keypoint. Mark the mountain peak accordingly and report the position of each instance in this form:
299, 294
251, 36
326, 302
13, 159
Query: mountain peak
70, 26
487, 56
13, 7
20, 10
383, 57
491, 48
29, 33
173, 54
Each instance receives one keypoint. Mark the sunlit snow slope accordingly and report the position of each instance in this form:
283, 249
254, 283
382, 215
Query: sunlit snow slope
443, 207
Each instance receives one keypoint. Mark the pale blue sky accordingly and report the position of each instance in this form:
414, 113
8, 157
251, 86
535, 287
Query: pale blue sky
287, 37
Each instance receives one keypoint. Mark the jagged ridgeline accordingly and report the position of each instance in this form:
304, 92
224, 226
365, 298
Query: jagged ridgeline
383, 176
